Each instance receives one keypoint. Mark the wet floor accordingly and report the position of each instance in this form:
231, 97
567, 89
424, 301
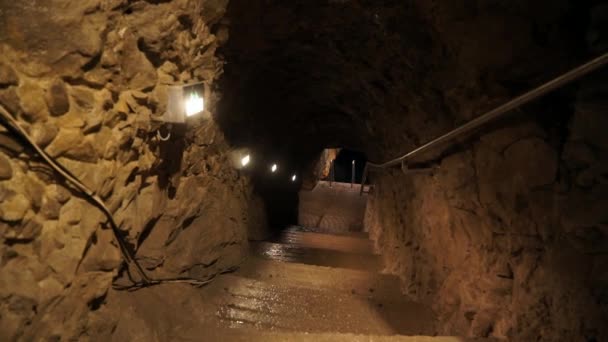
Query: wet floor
309, 284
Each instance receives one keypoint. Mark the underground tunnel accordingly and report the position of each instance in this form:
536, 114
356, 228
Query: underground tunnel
303, 170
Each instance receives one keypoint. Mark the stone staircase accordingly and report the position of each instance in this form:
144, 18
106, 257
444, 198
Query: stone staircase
305, 285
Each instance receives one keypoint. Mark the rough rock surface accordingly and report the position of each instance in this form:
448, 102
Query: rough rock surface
88, 100
508, 237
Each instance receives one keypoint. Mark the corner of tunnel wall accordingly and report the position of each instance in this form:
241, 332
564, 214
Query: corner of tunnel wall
508, 237
84, 82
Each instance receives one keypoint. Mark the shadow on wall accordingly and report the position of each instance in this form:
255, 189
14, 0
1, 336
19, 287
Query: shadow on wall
171, 155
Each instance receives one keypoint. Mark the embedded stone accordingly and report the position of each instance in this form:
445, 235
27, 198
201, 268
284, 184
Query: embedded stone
83, 152
71, 212
50, 208
34, 190
8, 77
10, 100
31, 97
138, 70
57, 98
14, 208
43, 133
103, 256
83, 98
6, 170
66, 140
10, 144
27, 232
58, 193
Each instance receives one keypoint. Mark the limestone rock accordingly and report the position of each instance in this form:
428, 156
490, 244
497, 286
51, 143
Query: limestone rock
65, 140
72, 119
47, 49
534, 160
58, 193
9, 143
72, 143
138, 70
10, 100
57, 98
43, 133
7, 76
71, 212
50, 208
103, 255
6, 170
26, 232
84, 152
83, 97
14, 208
34, 190
31, 97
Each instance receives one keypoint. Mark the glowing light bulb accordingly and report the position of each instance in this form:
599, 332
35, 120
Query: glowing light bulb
245, 160
273, 168
293, 178
194, 104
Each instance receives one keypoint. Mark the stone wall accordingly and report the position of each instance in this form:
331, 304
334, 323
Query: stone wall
85, 78
508, 237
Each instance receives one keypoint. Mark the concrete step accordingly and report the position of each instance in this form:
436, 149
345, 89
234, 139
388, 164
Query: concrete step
315, 256
334, 242
248, 335
369, 284
238, 309
336, 209
361, 235
238, 302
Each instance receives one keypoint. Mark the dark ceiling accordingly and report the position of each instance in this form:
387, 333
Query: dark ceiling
383, 76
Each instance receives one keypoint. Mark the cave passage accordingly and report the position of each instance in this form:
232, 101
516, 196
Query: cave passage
180, 170
343, 166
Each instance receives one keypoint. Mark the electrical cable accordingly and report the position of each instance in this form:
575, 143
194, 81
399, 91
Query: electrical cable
128, 256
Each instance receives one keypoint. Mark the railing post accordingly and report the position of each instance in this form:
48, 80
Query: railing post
363, 179
331, 173
352, 175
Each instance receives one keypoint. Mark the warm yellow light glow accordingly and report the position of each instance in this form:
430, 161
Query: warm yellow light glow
293, 178
273, 168
194, 104
245, 160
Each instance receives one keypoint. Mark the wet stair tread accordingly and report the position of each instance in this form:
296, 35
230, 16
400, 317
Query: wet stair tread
315, 256
247, 303
356, 234
248, 335
342, 243
351, 281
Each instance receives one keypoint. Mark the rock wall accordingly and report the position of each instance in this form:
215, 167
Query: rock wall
508, 237
85, 79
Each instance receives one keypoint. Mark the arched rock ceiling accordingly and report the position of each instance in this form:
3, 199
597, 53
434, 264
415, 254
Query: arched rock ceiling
381, 76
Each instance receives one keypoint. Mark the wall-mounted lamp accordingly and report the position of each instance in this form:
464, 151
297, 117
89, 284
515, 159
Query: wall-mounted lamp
245, 160
293, 178
182, 101
241, 158
274, 168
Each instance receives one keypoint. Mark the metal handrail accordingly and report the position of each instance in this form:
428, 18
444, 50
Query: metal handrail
560, 81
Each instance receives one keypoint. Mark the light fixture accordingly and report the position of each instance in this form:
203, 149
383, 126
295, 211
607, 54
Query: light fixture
273, 168
241, 158
293, 178
182, 101
194, 104
245, 160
